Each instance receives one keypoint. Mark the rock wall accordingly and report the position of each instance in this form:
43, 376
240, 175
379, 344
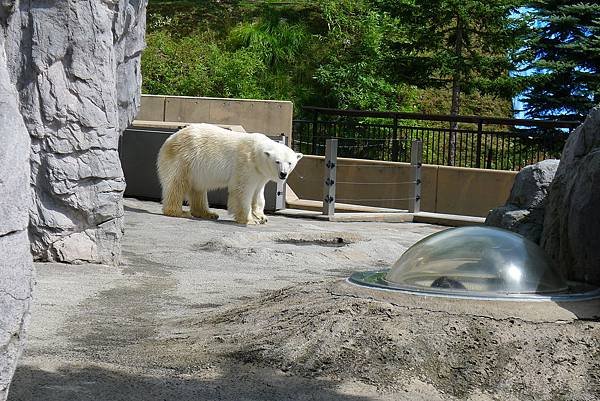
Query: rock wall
523, 212
571, 234
76, 66
16, 267
69, 85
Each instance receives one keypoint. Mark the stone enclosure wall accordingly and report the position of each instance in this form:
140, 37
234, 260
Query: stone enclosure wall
571, 234
69, 85
16, 268
557, 204
76, 66
524, 210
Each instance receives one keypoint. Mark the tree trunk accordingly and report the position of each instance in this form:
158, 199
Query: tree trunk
456, 80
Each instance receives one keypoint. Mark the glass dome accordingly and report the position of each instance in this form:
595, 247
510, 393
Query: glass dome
476, 261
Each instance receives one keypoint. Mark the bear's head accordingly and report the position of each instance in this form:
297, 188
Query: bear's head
281, 160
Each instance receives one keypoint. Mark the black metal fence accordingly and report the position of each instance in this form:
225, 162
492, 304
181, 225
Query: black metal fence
480, 142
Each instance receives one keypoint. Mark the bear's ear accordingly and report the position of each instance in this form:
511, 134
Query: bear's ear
299, 155
268, 154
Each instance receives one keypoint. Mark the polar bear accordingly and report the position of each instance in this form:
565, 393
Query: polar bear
203, 157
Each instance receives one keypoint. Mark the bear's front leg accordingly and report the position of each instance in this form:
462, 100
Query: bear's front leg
258, 204
239, 203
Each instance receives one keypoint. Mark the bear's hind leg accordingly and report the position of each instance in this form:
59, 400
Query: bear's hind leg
199, 205
173, 198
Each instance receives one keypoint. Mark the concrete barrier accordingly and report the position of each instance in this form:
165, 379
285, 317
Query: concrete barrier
152, 108
470, 191
450, 190
271, 117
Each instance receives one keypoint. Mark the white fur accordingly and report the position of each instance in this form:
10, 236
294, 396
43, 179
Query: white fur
203, 157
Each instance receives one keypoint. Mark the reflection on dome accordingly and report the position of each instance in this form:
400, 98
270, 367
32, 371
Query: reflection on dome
475, 261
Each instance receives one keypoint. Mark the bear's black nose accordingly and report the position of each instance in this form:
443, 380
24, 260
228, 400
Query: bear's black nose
282, 175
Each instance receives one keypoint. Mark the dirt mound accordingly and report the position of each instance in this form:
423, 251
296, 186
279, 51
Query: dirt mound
311, 331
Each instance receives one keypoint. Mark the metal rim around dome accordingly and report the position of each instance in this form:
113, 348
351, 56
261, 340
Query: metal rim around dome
376, 280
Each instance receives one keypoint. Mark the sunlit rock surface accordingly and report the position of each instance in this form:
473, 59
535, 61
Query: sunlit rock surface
76, 66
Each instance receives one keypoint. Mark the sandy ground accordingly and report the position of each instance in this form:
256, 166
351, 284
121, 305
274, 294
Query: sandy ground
204, 310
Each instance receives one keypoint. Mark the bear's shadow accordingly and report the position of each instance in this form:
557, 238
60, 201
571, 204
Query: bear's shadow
219, 221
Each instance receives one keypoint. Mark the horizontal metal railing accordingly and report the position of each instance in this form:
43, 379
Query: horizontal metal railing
480, 142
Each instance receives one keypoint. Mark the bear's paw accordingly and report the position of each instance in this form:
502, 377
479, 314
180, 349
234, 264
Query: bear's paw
260, 218
247, 221
205, 215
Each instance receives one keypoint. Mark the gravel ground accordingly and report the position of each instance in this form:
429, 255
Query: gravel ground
203, 310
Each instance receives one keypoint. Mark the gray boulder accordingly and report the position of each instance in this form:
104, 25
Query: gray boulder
524, 209
76, 66
16, 266
571, 234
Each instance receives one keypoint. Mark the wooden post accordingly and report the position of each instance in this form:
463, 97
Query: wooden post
330, 176
416, 161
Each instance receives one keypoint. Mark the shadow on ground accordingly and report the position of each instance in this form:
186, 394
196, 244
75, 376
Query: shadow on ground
138, 210
585, 311
99, 384
189, 217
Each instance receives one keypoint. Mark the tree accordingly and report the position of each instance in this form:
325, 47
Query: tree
461, 45
564, 59
354, 73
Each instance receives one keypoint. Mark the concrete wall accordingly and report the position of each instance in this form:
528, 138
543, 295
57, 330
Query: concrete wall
271, 117
454, 190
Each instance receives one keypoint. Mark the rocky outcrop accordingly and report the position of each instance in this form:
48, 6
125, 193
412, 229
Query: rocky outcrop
69, 85
76, 66
524, 209
571, 234
16, 267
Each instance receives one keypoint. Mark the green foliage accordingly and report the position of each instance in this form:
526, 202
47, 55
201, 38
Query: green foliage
356, 75
362, 54
281, 47
457, 42
277, 42
261, 57
194, 66
563, 50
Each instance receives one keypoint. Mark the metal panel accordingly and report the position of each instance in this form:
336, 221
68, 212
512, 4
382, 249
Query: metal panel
416, 162
330, 177
138, 152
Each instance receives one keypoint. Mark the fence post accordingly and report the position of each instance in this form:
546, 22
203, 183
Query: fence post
479, 137
395, 147
330, 173
416, 161
488, 163
314, 133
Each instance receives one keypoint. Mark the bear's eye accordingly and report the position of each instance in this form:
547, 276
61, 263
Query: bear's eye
277, 161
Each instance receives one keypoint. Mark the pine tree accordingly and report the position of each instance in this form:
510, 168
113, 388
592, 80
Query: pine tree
463, 45
564, 58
